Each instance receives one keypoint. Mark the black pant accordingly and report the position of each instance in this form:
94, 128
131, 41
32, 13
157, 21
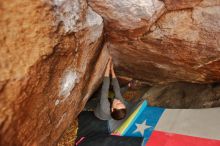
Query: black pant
96, 133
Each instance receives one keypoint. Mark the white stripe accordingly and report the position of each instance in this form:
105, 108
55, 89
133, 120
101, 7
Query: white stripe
203, 123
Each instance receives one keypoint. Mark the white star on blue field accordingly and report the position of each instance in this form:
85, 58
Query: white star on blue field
141, 128
145, 122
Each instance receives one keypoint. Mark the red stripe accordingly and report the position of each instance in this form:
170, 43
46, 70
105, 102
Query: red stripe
159, 138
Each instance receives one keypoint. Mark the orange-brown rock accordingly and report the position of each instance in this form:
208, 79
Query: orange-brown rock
47, 66
128, 17
180, 45
53, 55
180, 4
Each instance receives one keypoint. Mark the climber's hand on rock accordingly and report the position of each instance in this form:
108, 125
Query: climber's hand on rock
112, 71
107, 70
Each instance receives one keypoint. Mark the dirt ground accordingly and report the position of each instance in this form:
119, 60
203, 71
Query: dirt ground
69, 136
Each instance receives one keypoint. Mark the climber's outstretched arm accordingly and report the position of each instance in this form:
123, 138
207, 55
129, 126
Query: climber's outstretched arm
116, 86
104, 103
106, 83
108, 67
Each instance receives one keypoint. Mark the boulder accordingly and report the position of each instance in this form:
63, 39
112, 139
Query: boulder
53, 55
128, 17
184, 95
179, 44
180, 4
49, 51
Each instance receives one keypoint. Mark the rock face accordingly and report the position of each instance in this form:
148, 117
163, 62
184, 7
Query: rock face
48, 54
180, 4
184, 95
163, 41
53, 55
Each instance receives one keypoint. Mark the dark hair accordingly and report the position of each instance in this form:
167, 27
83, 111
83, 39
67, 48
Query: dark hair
117, 114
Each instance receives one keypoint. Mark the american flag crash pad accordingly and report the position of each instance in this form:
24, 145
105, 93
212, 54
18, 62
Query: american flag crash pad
173, 127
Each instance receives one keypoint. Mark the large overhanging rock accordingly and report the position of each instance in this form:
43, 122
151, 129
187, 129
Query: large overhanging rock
47, 67
182, 44
128, 17
181, 4
52, 59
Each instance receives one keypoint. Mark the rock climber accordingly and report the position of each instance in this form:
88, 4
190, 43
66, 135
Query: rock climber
116, 108
95, 128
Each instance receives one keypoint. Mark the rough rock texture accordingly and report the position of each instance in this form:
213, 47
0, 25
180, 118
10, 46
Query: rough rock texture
128, 17
48, 53
53, 55
149, 42
184, 95
180, 4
